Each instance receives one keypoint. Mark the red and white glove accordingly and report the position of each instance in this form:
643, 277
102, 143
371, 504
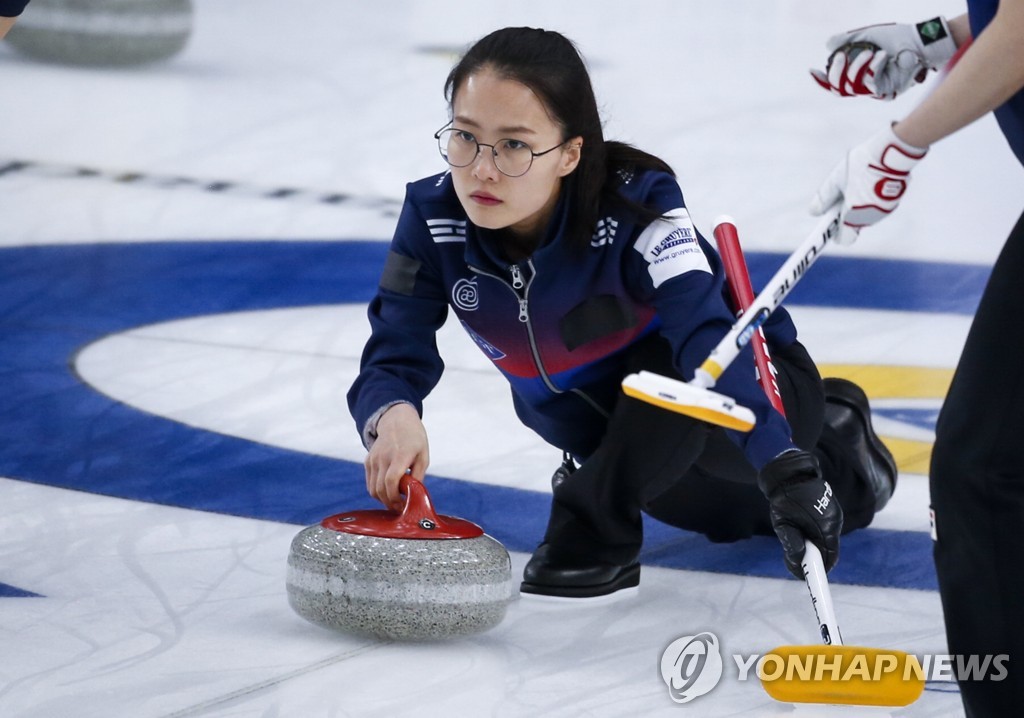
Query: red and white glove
881, 61
870, 181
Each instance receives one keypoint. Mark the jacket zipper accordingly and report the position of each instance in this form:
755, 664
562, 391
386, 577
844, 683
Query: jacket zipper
524, 314
521, 288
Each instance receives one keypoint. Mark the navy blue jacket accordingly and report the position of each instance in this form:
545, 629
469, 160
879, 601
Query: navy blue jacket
12, 8
1010, 115
558, 324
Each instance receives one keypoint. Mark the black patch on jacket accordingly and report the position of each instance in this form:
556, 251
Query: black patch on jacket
399, 275
595, 318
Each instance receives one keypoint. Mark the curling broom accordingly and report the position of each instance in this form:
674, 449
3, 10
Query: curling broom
856, 675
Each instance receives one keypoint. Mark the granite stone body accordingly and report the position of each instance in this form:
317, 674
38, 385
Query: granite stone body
103, 33
398, 588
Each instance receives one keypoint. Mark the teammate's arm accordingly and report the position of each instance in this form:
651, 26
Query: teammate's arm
871, 180
9, 11
989, 73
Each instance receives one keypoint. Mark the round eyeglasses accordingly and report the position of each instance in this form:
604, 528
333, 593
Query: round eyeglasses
513, 158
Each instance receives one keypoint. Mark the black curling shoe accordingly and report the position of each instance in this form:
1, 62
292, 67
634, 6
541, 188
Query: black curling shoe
847, 411
545, 576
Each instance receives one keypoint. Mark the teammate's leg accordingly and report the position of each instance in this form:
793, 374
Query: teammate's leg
977, 490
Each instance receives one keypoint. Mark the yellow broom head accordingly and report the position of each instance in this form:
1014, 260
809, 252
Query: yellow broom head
683, 398
844, 675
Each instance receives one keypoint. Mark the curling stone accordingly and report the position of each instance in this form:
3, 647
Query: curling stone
102, 32
412, 575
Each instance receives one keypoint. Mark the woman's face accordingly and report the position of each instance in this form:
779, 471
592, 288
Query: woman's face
491, 108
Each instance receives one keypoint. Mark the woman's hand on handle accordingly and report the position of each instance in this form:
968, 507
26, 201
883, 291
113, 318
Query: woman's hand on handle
400, 448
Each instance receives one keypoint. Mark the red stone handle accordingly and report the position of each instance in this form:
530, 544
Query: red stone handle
417, 520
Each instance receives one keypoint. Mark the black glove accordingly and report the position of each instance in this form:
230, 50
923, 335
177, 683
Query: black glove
802, 507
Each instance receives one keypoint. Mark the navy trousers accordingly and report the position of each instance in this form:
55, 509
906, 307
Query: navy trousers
688, 473
977, 491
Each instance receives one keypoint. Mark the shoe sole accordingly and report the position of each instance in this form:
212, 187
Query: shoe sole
542, 599
629, 578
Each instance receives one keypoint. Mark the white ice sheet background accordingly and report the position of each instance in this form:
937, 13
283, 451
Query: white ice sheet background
153, 611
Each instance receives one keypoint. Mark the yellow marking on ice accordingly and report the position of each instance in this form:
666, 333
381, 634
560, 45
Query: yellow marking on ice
898, 382
894, 382
912, 457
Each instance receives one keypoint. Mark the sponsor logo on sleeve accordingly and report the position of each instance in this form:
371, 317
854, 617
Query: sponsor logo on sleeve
671, 248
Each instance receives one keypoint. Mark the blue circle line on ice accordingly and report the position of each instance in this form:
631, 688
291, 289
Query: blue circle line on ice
57, 299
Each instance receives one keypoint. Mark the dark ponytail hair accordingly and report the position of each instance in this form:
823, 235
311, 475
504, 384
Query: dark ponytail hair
551, 65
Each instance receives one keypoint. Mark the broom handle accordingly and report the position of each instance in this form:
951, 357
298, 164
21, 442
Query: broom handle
742, 293
777, 289
821, 596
